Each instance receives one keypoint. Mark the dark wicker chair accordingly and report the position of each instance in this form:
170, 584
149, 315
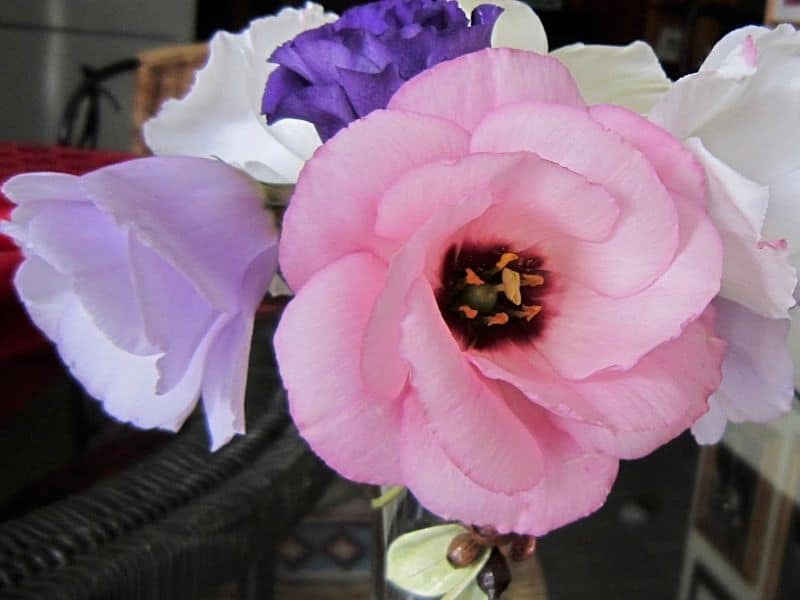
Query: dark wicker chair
183, 523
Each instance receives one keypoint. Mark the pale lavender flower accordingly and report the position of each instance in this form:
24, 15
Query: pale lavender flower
147, 275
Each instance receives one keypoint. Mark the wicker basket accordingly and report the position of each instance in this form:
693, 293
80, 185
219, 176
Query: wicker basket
163, 73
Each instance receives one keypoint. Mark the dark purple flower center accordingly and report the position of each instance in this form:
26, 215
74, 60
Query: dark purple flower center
344, 70
490, 295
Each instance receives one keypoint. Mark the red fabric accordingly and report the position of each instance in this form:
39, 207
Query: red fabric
27, 360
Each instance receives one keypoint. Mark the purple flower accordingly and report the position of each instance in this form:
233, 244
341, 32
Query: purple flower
147, 275
339, 72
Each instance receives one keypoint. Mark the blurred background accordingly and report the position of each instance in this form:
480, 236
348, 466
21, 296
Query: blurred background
262, 519
48, 45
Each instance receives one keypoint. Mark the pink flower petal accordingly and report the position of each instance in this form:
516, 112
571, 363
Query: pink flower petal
677, 168
534, 198
465, 89
631, 412
539, 201
318, 345
419, 194
575, 482
467, 415
332, 210
647, 234
383, 366
588, 332
654, 401
524, 368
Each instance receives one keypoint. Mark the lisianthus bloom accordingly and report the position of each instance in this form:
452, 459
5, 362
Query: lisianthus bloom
738, 115
147, 275
26, 337
221, 115
339, 72
499, 293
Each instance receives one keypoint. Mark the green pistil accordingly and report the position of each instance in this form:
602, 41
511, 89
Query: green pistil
482, 298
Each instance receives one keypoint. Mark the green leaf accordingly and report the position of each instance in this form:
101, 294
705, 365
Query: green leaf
417, 562
471, 592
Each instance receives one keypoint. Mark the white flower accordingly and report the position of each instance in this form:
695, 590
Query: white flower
629, 76
739, 116
221, 115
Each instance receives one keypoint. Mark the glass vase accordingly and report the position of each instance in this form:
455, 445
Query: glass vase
402, 516
513, 563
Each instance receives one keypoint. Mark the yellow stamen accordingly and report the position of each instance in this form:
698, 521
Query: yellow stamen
468, 311
473, 279
527, 312
511, 284
532, 280
500, 318
507, 257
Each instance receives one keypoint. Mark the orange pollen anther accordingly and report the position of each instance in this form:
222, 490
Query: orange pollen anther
500, 318
473, 279
468, 311
532, 280
505, 259
528, 312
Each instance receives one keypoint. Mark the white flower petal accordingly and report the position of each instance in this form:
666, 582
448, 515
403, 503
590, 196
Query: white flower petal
783, 215
730, 46
630, 76
756, 272
710, 428
757, 375
220, 117
517, 27
794, 345
746, 118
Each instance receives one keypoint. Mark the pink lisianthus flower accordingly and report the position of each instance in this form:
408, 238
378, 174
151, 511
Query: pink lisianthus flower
500, 293
147, 275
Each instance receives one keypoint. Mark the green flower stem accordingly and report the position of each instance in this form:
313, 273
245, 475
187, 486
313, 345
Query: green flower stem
389, 496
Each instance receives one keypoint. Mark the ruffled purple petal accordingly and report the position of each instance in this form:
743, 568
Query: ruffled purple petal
370, 91
326, 106
284, 83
